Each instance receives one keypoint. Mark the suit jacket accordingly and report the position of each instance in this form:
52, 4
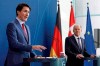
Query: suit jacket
19, 46
72, 49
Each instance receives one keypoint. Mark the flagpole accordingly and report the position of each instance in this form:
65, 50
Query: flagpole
56, 47
58, 10
87, 4
71, 2
56, 22
89, 41
57, 3
71, 20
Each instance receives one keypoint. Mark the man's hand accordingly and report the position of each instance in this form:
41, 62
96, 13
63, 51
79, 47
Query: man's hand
92, 56
79, 56
38, 47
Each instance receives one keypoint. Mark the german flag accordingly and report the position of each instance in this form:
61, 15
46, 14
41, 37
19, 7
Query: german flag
56, 46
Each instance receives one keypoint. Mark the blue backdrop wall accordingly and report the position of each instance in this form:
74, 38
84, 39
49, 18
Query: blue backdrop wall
41, 22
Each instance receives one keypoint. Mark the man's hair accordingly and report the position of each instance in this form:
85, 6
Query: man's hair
20, 7
77, 25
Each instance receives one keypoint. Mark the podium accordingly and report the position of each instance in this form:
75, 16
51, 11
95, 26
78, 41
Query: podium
49, 61
96, 61
59, 62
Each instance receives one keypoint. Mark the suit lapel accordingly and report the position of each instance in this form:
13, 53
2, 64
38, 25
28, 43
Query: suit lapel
75, 43
27, 33
19, 26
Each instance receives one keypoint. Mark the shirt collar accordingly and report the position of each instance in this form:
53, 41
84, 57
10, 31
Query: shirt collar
76, 37
20, 21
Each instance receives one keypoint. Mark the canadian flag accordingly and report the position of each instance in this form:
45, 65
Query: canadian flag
71, 21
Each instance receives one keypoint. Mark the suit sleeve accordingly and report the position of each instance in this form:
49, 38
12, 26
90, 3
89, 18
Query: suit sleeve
32, 54
68, 48
14, 44
85, 51
86, 54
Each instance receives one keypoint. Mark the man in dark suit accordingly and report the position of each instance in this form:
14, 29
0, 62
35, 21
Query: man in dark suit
75, 48
18, 35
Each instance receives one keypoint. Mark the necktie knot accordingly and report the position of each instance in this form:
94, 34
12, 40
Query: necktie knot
23, 26
78, 38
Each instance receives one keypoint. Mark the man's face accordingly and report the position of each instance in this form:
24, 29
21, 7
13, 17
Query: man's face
77, 30
23, 14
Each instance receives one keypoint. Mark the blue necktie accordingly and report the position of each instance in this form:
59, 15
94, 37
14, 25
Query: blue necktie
79, 44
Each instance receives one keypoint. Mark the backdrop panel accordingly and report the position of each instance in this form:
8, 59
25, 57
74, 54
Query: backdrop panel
41, 22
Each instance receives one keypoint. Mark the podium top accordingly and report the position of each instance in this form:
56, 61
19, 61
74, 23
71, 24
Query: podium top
88, 58
43, 60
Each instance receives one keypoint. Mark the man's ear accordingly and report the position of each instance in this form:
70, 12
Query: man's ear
17, 12
81, 30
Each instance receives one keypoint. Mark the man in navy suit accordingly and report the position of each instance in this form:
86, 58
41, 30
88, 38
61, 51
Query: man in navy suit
75, 48
18, 35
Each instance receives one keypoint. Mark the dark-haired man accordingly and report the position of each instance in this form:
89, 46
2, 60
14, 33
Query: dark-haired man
18, 35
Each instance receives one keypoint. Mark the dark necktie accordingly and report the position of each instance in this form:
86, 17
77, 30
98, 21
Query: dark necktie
79, 44
25, 31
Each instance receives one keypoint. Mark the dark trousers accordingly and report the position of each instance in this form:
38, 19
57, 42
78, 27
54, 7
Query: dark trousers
25, 62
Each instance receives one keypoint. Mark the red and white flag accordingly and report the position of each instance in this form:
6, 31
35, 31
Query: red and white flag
71, 21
